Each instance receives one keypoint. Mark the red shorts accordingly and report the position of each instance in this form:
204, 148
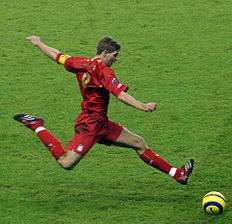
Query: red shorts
87, 134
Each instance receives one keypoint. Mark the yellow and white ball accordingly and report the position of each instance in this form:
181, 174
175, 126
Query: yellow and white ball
214, 203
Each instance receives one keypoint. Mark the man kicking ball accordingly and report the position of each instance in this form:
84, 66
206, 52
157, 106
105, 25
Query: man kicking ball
97, 80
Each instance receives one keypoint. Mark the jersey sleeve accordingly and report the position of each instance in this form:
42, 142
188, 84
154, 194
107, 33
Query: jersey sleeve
111, 83
71, 63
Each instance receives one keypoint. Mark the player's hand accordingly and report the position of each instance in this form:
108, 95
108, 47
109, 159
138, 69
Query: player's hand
149, 107
35, 40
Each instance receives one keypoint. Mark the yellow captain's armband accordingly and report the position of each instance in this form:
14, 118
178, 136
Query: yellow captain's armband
63, 58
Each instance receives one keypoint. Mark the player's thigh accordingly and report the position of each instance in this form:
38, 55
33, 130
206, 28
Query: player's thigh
129, 139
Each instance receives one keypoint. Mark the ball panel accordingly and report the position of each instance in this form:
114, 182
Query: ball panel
215, 193
213, 207
212, 198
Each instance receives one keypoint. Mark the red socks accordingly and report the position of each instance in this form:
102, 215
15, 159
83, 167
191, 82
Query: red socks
152, 158
53, 145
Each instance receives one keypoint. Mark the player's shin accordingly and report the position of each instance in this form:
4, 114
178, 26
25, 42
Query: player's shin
152, 158
53, 145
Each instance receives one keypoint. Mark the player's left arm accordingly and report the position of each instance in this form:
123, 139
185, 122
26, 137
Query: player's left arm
129, 100
118, 89
49, 51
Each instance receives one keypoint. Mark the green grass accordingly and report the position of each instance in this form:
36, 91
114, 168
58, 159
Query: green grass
176, 53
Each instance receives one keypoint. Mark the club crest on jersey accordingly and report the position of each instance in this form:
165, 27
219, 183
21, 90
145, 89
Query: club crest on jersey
114, 81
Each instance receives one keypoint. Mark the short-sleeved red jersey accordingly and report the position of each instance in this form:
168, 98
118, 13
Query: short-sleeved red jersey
96, 82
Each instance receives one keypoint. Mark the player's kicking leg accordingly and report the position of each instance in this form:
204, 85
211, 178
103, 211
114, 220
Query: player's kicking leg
67, 159
181, 174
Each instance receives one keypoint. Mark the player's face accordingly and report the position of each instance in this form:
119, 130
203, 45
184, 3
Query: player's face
111, 58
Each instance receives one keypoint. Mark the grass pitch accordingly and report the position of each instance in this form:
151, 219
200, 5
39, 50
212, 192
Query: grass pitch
176, 53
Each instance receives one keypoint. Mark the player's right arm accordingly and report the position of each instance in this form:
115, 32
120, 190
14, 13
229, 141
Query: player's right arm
71, 64
49, 51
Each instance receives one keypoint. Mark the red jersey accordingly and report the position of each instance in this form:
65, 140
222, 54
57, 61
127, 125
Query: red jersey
96, 82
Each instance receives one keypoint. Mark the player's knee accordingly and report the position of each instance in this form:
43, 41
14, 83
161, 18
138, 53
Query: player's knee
68, 167
69, 160
66, 164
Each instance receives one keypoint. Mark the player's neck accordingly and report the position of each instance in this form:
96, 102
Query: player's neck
102, 58
97, 57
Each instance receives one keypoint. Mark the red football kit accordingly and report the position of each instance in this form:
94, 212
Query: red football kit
96, 82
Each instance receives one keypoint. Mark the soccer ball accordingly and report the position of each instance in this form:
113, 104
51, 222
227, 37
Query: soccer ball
213, 203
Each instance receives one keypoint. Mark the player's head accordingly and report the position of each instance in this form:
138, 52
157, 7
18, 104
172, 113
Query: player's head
108, 49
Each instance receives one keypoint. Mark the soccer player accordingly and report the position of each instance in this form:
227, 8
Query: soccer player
97, 80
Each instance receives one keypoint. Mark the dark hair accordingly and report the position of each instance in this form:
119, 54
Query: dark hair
107, 44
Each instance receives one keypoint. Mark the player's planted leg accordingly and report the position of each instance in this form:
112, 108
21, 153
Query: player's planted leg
150, 157
182, 174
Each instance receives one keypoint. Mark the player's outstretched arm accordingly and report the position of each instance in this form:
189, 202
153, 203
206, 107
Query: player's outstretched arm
49, 51
129, 100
